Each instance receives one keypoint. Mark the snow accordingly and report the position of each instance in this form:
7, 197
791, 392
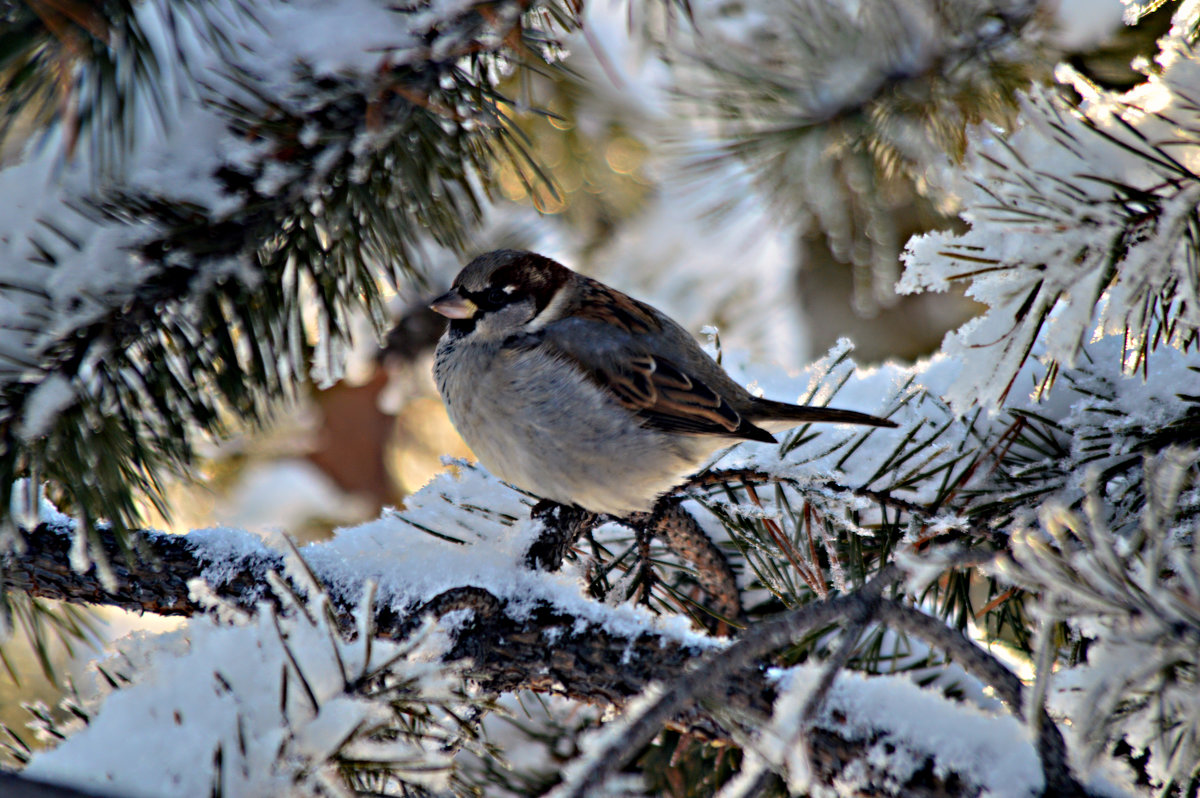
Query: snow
907, 725
180, 150
239, 726
1052, 233
225, 550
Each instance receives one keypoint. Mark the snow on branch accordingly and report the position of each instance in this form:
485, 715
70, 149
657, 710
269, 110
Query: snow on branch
813, 519
896, 753
1073, 209
1135, 598
281, 702
840, 109
522, 629
300, 162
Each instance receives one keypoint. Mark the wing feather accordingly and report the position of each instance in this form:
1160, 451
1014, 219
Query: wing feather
665, 398
615, 341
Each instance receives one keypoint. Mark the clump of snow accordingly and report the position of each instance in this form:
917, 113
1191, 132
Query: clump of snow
271, 705
225, 550
908, 726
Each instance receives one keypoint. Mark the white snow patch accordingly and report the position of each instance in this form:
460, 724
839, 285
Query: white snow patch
993, 751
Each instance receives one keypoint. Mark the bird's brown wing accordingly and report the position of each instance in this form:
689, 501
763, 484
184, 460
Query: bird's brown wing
660, 394
618, 342
621, 313
665, 398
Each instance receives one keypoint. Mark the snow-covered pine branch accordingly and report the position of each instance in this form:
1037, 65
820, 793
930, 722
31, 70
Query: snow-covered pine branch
460, 545
317, 689
294, 165
1131, 597
284, 701
1074, 208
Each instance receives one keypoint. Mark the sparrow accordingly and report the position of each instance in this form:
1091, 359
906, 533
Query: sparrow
580, 394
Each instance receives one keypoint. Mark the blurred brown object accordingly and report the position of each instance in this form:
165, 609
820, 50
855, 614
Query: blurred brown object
353, 437
383, 448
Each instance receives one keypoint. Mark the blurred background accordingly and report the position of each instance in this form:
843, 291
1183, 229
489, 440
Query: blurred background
769, 197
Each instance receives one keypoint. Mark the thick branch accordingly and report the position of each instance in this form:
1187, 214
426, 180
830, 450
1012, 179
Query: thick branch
543, 648
152, 577
15, 785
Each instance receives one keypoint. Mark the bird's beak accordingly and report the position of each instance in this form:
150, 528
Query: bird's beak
453, 305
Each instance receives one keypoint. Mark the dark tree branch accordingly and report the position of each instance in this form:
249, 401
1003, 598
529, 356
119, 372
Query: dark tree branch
544, 648
845, 651
15, 785
150, 577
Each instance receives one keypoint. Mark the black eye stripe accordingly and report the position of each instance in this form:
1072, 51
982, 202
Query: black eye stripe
492, 298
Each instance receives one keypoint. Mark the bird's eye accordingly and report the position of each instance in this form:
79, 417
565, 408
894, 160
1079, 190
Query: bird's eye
496, 296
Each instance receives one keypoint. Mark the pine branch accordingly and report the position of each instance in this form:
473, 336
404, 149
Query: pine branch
539, 646
1082, 219
710, 679
1134, 596
926, 57
152, 307
91, 69
840, 113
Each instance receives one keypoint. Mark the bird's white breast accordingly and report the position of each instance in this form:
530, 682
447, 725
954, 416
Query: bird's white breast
540, 423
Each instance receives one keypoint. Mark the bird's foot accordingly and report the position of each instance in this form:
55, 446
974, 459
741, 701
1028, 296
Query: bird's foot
562, 524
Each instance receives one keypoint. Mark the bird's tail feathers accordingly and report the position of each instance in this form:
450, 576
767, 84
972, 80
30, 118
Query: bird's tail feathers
781, 415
